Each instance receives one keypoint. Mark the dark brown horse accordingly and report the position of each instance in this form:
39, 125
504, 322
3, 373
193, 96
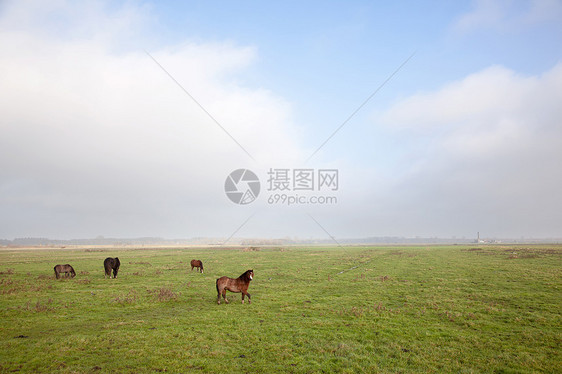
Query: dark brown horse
66, 269
111, 264
197, 264
239, 284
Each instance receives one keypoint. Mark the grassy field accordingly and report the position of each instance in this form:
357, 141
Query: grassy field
360, 309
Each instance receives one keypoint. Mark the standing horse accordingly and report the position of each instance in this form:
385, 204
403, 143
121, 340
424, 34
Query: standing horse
66, 269
239, 284
111, 264
197, 264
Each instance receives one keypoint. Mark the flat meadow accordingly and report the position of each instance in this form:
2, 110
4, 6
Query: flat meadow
409, 309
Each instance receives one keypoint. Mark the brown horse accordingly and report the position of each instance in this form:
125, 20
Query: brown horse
66, 269
197, 264
239, 284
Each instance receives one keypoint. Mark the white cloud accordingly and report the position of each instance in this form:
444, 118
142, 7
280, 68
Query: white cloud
485, 14
509, 15
489, 151
99, 140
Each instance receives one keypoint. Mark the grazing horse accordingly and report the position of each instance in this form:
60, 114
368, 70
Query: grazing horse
239, 284
66, 269
111, 264
197, 264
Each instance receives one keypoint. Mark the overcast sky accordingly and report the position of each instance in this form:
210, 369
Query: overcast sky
124, 119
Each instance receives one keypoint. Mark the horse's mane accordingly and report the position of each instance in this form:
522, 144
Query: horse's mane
246, 275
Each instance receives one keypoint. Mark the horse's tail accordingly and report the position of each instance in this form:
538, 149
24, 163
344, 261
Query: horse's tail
217, 284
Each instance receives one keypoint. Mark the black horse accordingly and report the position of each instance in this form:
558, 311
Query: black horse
111, 264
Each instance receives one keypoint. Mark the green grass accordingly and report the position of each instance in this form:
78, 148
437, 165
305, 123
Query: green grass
361, 309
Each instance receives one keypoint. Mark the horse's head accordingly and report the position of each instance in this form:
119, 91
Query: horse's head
250, 274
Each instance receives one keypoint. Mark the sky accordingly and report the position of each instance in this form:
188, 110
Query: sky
358, 119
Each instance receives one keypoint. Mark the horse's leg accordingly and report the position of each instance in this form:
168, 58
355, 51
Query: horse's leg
249, 298
224, 296
218, 292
